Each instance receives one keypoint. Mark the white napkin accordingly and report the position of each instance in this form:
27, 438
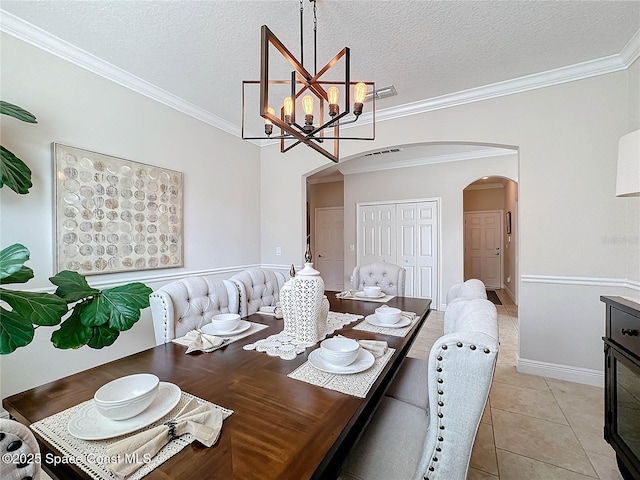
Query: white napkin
203, 421
202, 342
377, 347
409, 315
346, 294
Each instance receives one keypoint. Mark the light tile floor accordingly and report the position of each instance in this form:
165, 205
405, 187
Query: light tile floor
534, 428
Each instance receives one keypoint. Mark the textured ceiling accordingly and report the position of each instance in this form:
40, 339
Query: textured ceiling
201, 51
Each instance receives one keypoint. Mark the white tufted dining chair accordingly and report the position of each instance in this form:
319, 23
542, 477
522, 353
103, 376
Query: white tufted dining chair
18, 441
257, 287
187, 304
426, 424
388, 276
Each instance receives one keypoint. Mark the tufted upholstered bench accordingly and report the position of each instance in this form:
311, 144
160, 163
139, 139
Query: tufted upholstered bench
426, 424
257, 287
388, 276
187, 304
19, 443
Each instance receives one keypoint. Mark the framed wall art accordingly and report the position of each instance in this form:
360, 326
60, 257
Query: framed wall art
115, 215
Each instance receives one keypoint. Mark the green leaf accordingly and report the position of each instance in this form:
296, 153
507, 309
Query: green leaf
72, 333
96, 313
14, 173
35, 308
15, 331
17, 112
12, 259
125, 303
72, 286
103, 337
21, 276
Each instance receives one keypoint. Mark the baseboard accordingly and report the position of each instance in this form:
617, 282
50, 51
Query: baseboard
561, 372
4, 413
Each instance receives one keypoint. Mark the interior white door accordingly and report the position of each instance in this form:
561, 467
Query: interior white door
376, 234
413, 243
483, 247
329, 248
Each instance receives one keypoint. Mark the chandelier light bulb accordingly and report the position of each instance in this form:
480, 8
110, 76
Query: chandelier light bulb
268, 124
307, 106
288, 109
359, 94
333, 94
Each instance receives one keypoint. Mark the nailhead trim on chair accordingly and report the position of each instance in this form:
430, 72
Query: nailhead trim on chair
440, 359
165, 308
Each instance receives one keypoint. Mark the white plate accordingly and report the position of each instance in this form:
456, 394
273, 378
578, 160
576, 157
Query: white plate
89, 424
373, 320
241, 327
363, 361
362, 295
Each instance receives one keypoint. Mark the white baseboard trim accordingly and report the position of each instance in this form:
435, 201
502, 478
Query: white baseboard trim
561, 372
4, 413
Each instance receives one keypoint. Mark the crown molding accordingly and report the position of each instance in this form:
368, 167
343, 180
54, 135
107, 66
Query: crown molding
417, 162
37, 37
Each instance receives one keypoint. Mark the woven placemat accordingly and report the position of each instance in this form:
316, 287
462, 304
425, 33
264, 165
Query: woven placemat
356, 384
91, 455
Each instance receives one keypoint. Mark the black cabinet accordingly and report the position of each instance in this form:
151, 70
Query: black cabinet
622, 383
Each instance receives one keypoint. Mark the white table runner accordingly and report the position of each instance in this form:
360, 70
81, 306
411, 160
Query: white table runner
91, 455
356, 384
287, 347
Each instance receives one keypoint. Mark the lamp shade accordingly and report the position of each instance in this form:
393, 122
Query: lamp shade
628, 180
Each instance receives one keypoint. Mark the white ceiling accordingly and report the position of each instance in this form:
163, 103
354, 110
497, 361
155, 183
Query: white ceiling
200, 51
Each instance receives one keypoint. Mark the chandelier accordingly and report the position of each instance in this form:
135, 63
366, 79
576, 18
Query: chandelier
309, 110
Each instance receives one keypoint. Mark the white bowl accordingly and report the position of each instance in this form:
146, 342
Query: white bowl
339, 351
126, 397
225, 322
372, 291
388, 315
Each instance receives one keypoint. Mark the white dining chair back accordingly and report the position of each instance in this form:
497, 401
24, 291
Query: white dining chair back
426, 424
257, 287
388, 276
188, 304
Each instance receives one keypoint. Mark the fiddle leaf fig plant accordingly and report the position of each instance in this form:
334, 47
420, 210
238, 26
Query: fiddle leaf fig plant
86, 315
14, 173
91, 316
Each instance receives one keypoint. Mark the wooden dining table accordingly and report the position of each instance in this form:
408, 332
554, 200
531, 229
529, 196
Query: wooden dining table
281, 428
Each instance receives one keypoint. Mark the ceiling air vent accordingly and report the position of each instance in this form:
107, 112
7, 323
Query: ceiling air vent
381, 93
380, 152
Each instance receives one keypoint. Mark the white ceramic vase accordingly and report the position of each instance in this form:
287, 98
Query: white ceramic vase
304, 306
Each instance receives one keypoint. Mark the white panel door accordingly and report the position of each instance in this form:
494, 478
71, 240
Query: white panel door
413, 241
330, 246
376, 235
407, 244
427, 254
483, 239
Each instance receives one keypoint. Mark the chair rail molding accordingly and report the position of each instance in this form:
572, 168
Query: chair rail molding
592, 281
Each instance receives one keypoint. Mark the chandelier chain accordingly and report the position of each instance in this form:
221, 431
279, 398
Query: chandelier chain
315, 37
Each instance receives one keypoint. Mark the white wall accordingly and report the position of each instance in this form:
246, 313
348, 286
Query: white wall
76, 107
567, 136
445, 181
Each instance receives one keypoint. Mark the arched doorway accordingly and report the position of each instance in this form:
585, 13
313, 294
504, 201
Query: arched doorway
490, 206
